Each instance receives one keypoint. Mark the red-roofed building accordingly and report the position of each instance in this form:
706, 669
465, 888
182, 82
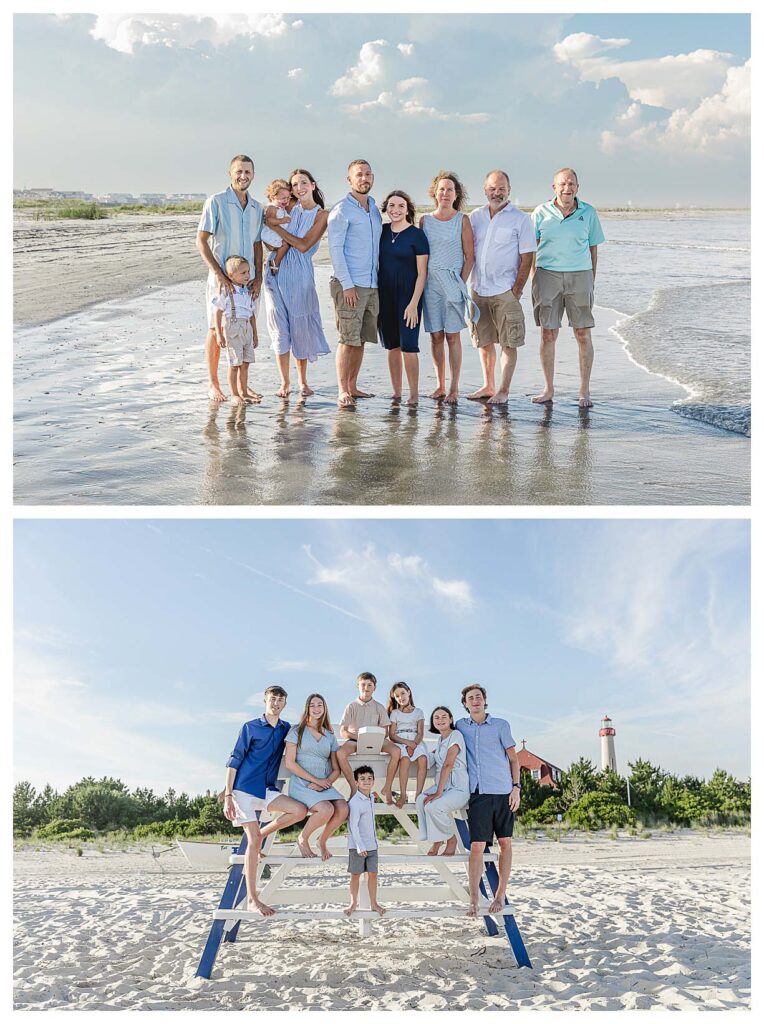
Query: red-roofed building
544, 772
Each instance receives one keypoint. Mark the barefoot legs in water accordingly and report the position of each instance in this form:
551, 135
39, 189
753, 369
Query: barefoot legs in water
454, 342
212, 356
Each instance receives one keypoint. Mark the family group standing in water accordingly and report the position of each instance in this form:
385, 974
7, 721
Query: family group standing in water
475, 770
450, 270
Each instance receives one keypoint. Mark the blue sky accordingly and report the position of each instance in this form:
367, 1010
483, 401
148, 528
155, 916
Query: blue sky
650, 109
142, 646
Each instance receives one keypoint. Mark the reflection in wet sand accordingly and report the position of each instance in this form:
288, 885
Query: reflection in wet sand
116, 413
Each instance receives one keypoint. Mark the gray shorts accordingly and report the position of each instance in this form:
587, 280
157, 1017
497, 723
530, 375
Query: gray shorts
555, 290
358, 864
240, 345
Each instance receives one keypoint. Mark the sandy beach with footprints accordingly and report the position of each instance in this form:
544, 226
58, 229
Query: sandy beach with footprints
658, 923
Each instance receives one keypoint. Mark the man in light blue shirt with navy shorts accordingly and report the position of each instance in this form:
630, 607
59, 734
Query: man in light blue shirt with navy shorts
568, 232
494, 773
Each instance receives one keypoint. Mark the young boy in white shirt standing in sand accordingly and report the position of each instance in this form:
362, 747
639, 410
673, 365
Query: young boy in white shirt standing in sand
363, 854
236, 329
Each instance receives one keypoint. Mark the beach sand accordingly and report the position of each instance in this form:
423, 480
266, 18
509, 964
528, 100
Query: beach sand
659, 923
110, 406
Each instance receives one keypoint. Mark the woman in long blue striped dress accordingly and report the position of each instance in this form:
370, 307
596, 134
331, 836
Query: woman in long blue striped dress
292, 311
311, 757
446, 299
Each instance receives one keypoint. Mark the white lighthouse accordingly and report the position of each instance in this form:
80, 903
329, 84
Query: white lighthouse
607, 745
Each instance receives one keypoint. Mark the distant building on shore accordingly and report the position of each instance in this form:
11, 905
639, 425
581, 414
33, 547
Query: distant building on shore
544, 772
607, 745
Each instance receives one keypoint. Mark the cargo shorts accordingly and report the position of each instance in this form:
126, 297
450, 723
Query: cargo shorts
555, 290
501, 322
357, 326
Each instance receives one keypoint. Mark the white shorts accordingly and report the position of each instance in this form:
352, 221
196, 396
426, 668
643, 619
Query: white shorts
421, 751
247, 805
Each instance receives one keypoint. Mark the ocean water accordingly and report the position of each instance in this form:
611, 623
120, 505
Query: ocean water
683, 284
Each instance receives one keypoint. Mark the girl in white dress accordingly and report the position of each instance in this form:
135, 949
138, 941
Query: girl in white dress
406, 730
451, 792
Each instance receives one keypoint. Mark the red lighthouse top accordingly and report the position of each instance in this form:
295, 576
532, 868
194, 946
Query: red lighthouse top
607, 727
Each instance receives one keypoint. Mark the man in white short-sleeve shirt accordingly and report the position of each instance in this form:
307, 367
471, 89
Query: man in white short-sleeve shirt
230, 225
504, 245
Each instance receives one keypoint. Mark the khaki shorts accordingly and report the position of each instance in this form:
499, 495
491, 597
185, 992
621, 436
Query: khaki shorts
355, 326
240, 344
555, 290
502, 321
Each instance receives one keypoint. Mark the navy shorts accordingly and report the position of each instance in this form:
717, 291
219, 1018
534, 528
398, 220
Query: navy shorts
488, 814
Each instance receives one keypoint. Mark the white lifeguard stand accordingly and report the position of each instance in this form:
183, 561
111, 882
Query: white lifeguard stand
452, 894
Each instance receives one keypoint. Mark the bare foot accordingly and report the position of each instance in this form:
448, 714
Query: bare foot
585, 402
401, 800
438, 393
434, 850
305, 390
304, 847
546, 396
413, 401
500, 398
380, 910
325, 855
450, 849
346, 401
260, 907
215, 394
387, 796
484, 392
497, 905
472, 911
362, 394
396, 398
237, 400
452, 398
349, 909
283, 391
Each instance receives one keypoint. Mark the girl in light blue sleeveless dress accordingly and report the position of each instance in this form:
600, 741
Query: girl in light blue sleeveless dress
445, 294
312, 760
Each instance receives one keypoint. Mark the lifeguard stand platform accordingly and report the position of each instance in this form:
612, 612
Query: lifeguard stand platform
450, 899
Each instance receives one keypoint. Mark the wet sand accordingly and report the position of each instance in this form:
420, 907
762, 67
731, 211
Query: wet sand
110, 407
660, 923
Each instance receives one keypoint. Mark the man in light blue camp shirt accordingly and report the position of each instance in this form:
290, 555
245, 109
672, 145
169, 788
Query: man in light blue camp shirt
568, 232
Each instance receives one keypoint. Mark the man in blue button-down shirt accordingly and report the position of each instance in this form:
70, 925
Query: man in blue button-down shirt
355, 227
251, 786
494, 773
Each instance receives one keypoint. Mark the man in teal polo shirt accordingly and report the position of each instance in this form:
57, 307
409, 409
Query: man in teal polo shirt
568, 232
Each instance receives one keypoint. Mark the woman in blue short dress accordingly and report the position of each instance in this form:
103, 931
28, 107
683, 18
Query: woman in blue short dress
311, 757
446, 298
291, 301
403, 254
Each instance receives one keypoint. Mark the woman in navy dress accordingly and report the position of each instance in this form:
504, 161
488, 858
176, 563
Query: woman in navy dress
403, 254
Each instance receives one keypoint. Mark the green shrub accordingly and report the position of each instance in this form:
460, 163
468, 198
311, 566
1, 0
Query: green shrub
599, 810
60, 827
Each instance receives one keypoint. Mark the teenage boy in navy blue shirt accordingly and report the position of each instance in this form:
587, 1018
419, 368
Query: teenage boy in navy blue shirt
252, 786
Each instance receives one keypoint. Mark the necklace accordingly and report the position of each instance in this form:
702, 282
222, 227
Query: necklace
396, 233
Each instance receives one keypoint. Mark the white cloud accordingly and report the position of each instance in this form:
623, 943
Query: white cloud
412, 108
123, 32
720, 124
708, 97
365, 73
397, 584
295, 72
406, 49
459, 592
407, 84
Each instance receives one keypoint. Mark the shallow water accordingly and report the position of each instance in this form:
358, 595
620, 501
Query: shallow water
114, 413
684, 280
